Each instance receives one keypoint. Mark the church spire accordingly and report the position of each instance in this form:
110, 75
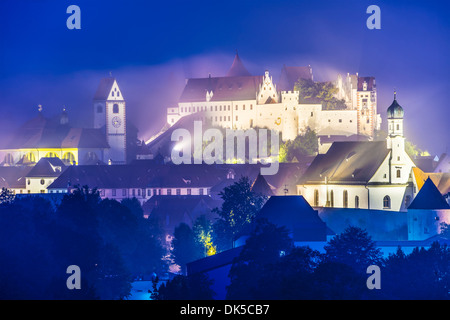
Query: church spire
237, 68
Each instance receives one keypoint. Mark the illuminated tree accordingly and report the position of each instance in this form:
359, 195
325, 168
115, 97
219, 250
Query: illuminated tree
185, 247
239, 208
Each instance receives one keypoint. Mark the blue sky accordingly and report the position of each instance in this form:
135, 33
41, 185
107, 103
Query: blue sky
150, 47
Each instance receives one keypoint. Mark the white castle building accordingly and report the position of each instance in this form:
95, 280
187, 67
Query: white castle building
242, 101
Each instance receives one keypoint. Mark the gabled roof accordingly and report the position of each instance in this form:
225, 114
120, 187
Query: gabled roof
104, 88
261, 186
429, 198
370, 83
440, 180
295, 213
13, 177
47, 167
290, 75
85, 138
351, 162
237, 68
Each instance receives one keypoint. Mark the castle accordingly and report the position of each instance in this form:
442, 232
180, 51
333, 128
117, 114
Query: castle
241, 101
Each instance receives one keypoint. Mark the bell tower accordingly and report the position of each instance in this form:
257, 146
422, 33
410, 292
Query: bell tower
110, 115
395, 140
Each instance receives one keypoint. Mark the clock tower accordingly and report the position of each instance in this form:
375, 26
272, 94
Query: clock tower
110, 115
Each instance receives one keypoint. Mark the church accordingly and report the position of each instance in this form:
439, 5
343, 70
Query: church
373, 175
54, 137
241, 101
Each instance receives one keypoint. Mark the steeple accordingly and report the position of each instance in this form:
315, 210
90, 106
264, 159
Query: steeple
237, 68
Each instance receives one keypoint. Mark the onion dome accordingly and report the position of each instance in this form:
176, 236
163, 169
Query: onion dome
395, 111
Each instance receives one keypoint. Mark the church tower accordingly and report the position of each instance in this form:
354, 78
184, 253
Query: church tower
110, 115
396, 142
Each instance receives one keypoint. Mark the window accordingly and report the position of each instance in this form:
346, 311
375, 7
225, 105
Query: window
149, 192
356, 202
236, 118
243, 107
113, 192
51, 155
398, 173
178, 192
331, 198
340, 120
220, 108
42, 181
236, 107
189, 192
118, 93
215, 108
200, 191
124, 192
316, 198
139, 192
69, 158
115, 108
386, 202
251, 107
312, 114
345, 199
169, 192
398, 127
398, 158
133, 192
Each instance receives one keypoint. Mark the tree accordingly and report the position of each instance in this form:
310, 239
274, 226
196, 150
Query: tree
323, 92
423, 274
354, 248
192, 287
203, 230
306, 144
6, 196
266, 244
445, 230
239, 208
185, 247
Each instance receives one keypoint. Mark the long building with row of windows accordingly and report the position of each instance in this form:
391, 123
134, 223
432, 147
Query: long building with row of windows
240, 100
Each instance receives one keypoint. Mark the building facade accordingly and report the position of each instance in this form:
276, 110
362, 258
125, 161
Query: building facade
363, 174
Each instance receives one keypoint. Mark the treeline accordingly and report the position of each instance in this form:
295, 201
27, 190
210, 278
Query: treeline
110, 241
270, 267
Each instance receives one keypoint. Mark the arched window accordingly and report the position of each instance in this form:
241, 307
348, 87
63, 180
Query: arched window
345, 199
316, 198
115, 108
356, 202
30, 157
386, 202
331, 198
399, 173
9, 159
69, 158
51, 155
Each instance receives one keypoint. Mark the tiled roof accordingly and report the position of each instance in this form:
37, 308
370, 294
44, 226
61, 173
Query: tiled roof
295, 213
223, 88
47, 167
42, 132
13, 177
104, 88
347, 162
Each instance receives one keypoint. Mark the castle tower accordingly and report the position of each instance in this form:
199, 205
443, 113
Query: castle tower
396, 142
110, 114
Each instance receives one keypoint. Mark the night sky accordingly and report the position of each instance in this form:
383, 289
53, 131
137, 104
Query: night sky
151, 47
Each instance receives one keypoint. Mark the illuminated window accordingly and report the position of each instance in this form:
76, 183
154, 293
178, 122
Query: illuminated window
115, 108
386, 202
51, 155
30, 157
69, 158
